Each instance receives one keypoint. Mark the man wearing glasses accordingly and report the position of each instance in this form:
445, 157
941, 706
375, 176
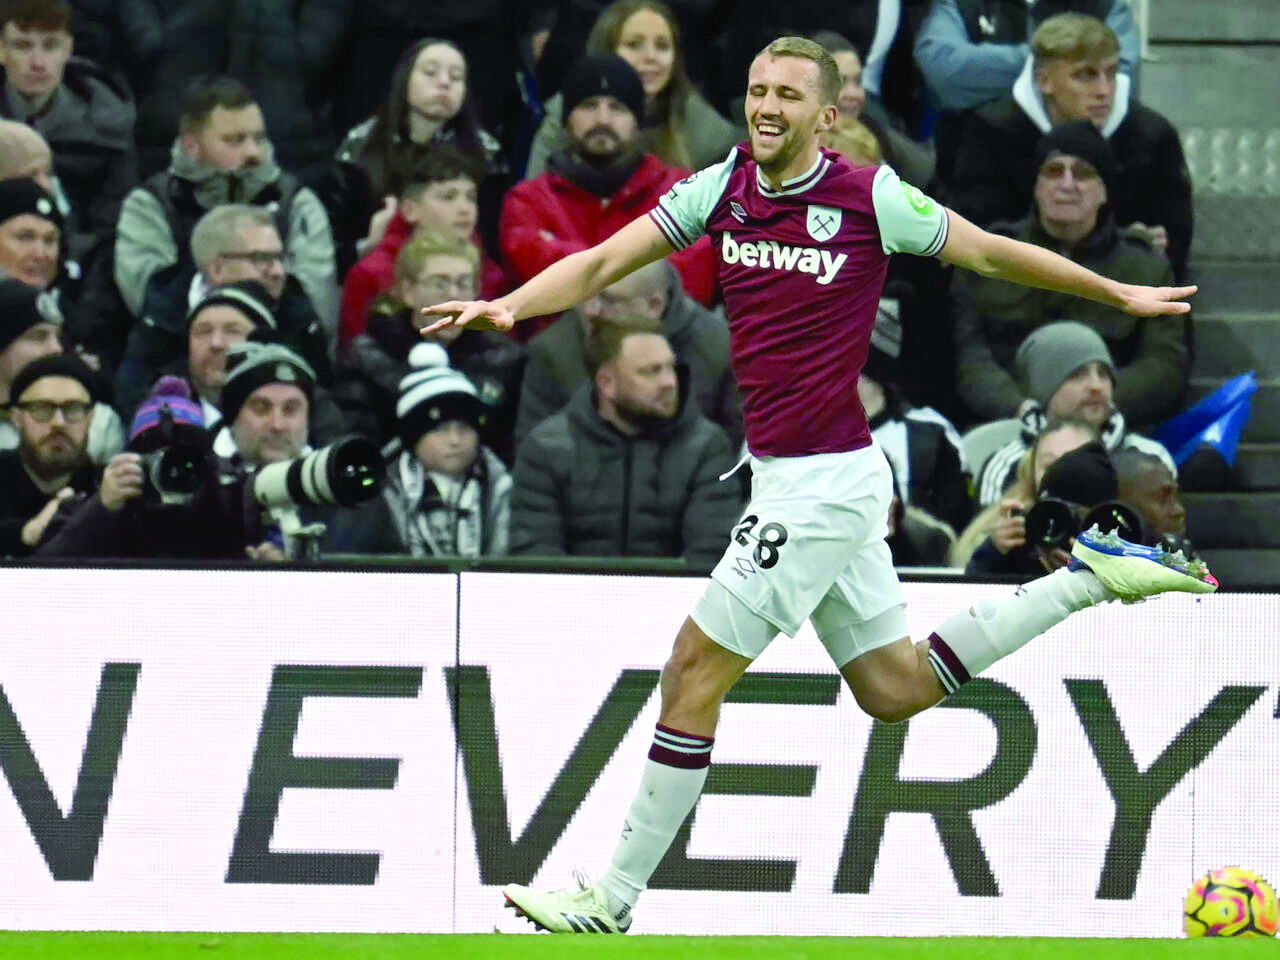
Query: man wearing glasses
52, 409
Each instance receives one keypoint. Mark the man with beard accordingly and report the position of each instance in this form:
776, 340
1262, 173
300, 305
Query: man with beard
803, 239
596, 184
221, 155
627, 468
52, 409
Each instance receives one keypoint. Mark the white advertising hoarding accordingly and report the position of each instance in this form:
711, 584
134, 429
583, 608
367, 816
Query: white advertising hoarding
273, 750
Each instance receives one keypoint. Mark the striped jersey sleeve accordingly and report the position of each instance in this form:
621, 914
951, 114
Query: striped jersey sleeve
910, 221
683, 211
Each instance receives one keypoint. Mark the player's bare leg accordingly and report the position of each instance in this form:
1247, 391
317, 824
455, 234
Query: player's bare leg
894, 682
694, 682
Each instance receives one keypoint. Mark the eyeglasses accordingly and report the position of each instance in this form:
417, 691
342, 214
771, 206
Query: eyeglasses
442, 286
259, 258
42, 411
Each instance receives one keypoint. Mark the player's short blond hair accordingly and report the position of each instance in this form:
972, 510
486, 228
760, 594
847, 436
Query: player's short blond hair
1073, 36
828, 73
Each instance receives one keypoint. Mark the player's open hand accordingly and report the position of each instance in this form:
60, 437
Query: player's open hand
1141, 301
476, 314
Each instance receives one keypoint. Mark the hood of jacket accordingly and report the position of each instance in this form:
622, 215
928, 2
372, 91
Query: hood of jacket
91, 107
213, 187
1027, 95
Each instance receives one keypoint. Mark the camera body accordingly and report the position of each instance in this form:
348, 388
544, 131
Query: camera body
174, 475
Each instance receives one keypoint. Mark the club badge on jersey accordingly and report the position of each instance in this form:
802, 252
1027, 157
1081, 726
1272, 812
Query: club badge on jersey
823, 223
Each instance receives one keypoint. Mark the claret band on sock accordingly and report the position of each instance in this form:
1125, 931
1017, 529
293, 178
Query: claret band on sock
683, 750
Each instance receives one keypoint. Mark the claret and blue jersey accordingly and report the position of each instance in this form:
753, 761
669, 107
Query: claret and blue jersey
801, 269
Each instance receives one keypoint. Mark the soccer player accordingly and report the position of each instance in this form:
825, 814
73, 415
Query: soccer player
802, 239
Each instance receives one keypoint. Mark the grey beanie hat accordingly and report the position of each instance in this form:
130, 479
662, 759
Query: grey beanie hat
1049, 355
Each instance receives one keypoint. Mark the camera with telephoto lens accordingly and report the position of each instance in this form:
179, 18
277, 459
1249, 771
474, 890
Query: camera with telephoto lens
347, 472
174, 475
1052, 523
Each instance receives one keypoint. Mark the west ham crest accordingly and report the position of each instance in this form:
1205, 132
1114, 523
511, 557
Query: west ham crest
823, 223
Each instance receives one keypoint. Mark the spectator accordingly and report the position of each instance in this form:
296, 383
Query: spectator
223, 318
1072, 75
597, 185
700, 338
266, 402
129, 516
431, 266
25, 155
971, 52
923, 448
30, 328
440, 194
912, 161
83, 112
221, 155
1072, 215
446, 494
285, 51
916, 538
628, 467
231, 244
51, 412
1001, 527
1067, 371
30, 234
429, 106
681, 128
1146, 483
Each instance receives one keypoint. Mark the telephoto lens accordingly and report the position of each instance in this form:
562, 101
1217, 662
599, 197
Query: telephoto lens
345, 473
174, 475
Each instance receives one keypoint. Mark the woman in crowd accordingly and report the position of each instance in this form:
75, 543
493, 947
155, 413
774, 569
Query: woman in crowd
990, 543
428, 106
682, 128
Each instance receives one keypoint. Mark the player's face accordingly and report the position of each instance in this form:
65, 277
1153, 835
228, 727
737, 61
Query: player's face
1069, 191
785, 114
1085, 394
1079, 89
644, 381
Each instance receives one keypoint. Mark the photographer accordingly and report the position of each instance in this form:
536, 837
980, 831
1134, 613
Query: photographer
1078, 489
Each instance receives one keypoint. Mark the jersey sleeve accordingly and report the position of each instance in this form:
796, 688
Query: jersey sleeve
682, 212
910, 221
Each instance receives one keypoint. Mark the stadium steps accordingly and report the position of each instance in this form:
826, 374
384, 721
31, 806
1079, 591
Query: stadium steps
1233, 520
1195, 21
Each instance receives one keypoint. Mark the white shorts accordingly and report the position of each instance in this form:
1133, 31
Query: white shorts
811, 545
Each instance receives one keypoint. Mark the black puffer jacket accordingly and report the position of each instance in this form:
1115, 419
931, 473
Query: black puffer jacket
584, 489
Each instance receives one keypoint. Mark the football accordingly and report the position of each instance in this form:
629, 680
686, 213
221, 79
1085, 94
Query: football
1230, 902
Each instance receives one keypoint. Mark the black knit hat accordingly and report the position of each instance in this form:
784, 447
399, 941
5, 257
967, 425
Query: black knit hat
1079, 139
22, 307
54, 365
432, 393
1085, 476
26, 196
596, 76
248, 296
252, 365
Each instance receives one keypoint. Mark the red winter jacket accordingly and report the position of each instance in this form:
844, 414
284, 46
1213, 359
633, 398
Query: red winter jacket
547, 218
375, 273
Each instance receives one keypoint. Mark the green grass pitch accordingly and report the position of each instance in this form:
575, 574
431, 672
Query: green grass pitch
289, 946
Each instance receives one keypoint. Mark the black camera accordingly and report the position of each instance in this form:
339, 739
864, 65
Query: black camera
1052, 523
174, 475
347, 472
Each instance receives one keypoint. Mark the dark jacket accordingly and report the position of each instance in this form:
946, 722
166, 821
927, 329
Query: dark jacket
284, 51
367, 383
928, 462
699, 338
995, 172
158, 343
584, 489
89, 126
992, 318
21, 500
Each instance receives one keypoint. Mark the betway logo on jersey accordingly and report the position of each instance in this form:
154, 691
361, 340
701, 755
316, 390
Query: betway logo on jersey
769, 254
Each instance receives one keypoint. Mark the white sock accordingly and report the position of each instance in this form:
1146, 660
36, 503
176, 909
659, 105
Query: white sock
990, 630
673, 778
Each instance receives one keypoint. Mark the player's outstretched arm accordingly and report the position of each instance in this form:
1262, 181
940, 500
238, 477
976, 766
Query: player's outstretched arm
564, 284
995, 256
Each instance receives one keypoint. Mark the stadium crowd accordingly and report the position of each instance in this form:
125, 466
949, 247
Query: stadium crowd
219, 220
